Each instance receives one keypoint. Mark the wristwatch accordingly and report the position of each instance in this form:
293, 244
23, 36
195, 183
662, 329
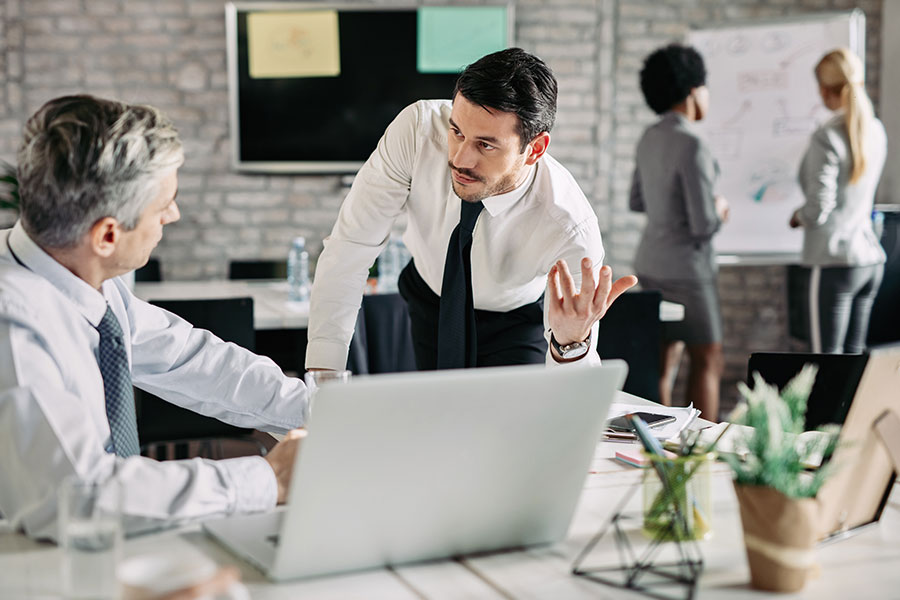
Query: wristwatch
572, 351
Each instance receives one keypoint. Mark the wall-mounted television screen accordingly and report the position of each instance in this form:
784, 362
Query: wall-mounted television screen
313, 86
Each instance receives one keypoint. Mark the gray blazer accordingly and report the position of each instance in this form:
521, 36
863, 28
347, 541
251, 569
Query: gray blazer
837, 215
673, 183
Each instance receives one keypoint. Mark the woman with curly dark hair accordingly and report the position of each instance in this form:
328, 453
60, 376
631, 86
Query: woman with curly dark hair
673, 184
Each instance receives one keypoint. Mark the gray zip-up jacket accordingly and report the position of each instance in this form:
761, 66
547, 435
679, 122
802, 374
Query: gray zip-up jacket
837, 215
673, 183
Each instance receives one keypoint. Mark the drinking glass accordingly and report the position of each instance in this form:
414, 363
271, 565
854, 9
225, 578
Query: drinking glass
680, 508
316, 379
90, 537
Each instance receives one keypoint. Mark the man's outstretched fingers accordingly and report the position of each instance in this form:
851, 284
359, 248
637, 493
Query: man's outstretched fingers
587, 278
566, 282
622, 285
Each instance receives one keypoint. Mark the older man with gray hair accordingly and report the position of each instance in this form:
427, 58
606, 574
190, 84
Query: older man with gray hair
97, 181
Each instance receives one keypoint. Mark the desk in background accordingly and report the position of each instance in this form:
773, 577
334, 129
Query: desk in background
272, 310
862, 566
630, 331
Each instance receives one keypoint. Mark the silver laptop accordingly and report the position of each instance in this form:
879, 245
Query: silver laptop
417, 466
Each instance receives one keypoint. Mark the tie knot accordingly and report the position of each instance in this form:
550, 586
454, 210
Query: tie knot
109, 325
469, 214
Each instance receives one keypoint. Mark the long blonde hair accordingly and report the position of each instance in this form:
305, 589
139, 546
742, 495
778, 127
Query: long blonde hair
841, 73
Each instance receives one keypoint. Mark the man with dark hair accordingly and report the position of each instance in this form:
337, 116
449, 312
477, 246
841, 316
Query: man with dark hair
673, 183
97, 182
492, 220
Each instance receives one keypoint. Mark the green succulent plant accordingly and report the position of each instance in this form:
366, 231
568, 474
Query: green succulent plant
777, 454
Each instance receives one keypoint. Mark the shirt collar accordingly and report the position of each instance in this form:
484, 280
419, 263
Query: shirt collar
673, 116
89, 301
499, 203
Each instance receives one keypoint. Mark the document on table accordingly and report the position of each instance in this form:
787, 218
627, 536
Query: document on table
684, 416
734, 441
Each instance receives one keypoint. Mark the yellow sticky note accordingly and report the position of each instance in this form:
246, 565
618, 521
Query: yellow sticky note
293, 44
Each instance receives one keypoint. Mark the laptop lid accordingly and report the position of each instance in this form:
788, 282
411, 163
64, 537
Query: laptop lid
408, 467
833, 390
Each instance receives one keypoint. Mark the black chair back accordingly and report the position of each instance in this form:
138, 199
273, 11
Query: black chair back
257, 269
228, 318
631, 330
382, 341
149, 272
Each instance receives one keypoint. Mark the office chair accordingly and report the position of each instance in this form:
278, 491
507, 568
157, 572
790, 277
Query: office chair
257, 269
382, 342
631, 330
164, 428
149, 272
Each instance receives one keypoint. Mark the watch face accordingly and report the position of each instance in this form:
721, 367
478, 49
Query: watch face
573, 350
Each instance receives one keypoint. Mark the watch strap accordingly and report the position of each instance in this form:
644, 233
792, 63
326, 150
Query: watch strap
559, 349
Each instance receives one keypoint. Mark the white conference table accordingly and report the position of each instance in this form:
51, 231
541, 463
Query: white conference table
866, 565
271, 307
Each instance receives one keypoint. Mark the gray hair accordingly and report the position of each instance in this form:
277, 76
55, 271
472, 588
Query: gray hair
84, 158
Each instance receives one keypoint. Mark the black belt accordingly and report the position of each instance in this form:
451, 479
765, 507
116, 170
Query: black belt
504, 338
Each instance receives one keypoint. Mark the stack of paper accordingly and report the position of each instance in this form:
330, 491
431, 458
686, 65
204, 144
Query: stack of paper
684, 416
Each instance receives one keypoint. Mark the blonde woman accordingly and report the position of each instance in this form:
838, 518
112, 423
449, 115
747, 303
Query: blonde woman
839, 175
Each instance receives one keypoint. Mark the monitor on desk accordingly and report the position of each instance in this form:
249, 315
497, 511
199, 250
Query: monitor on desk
854, 391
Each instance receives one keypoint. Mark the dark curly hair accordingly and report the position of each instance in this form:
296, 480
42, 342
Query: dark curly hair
669, 75
515, 81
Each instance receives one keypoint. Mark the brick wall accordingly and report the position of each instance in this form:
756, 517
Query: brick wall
171, 53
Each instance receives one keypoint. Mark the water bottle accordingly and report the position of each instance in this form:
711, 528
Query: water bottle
878, 223
298, 271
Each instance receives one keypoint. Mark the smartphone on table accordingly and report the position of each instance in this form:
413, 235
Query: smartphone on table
651, 419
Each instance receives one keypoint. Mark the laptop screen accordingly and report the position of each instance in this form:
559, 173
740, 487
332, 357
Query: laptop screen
836, 382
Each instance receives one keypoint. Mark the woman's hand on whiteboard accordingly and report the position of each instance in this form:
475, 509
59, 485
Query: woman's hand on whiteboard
722, 209
795, 220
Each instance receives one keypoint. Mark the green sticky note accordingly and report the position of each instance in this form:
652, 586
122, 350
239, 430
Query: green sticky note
451, 37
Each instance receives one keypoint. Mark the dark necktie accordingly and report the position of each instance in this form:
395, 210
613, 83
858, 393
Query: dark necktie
113, 362
456, 321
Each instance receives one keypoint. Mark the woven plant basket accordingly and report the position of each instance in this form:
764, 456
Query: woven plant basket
780, 535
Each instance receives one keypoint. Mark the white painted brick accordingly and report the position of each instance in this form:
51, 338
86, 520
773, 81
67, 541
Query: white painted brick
179, 26
252, 199
52, 43
104, 8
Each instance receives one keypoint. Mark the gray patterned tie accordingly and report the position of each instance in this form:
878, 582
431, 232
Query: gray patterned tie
113, 362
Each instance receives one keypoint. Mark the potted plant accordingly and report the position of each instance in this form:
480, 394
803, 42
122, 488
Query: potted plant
9, 189
775, 491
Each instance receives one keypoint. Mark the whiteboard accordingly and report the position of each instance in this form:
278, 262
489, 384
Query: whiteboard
764, 105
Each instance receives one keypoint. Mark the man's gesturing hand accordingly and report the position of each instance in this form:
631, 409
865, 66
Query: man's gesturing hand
572, 313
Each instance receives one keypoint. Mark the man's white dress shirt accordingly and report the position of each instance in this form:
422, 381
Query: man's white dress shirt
53, 419
518, 236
